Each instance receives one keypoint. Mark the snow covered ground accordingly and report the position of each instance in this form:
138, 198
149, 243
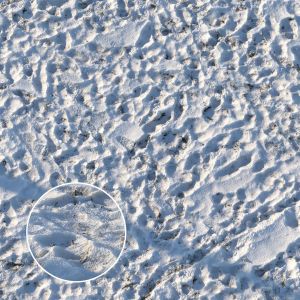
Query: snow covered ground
186, 112
76, 232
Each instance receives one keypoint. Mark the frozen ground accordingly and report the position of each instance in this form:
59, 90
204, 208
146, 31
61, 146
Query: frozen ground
186, 112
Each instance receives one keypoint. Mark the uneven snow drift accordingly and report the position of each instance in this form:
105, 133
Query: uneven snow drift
186, 112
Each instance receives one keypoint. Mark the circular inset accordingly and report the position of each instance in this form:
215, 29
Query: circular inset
76, 232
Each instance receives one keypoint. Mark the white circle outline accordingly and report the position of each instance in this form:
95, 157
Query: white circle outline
89, 185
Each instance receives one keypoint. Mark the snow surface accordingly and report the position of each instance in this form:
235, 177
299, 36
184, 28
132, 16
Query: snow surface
186, 112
